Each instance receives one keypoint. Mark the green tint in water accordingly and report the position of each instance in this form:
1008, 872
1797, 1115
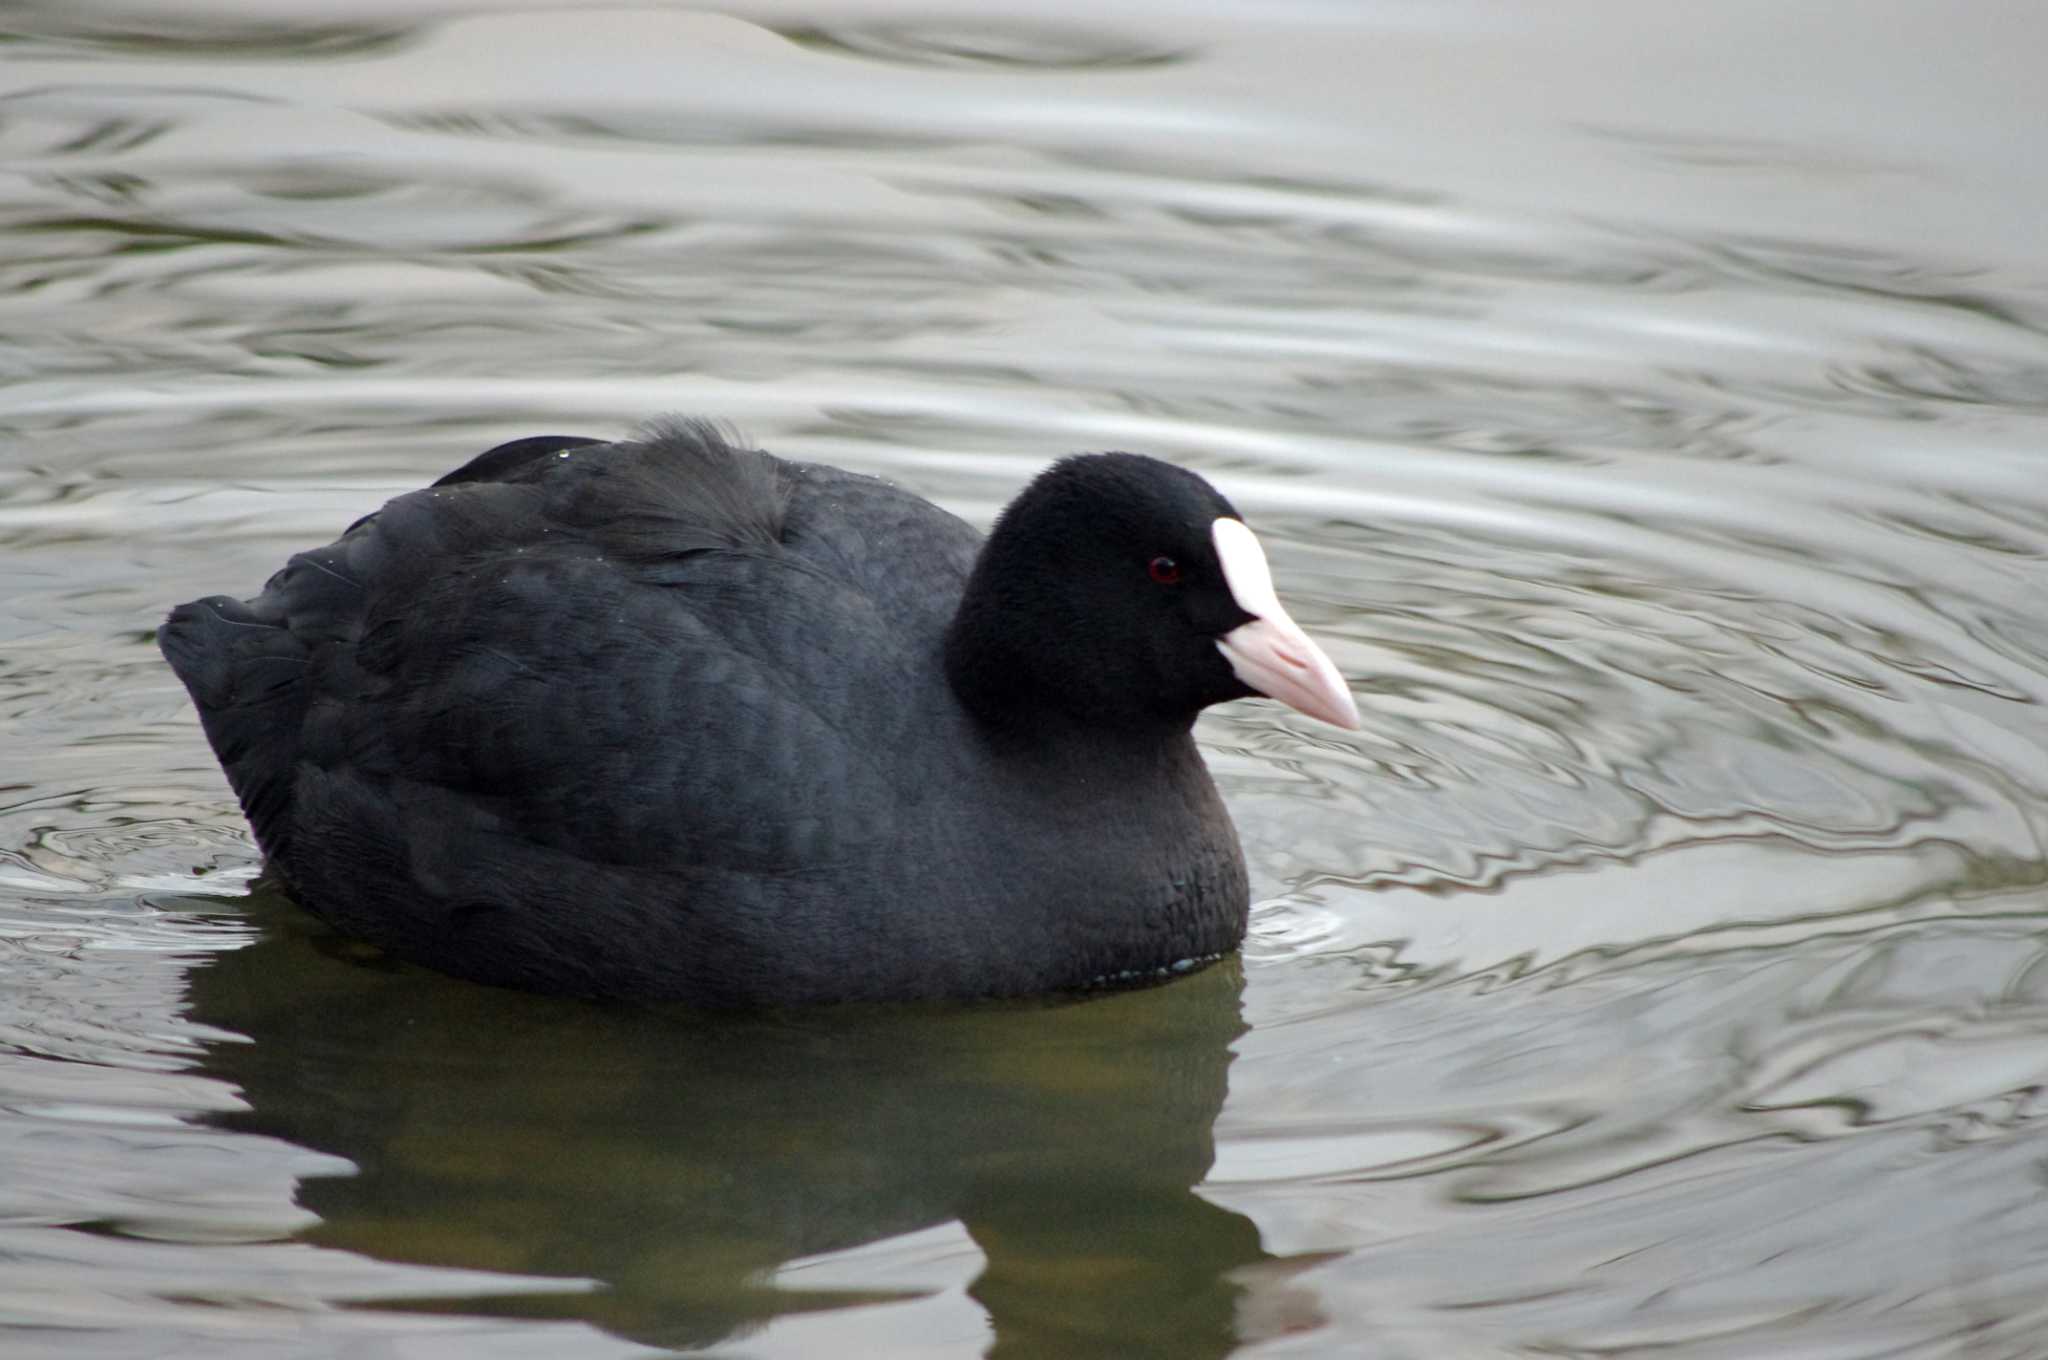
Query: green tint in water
694, 1166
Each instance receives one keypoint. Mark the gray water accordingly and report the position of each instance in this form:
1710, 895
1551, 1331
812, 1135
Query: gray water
1646, 403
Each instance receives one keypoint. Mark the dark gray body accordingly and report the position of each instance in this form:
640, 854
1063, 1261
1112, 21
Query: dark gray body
667, 720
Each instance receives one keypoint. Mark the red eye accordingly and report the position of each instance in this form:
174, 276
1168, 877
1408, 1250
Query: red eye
1165, 571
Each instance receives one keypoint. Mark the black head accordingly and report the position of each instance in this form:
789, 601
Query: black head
1100, 596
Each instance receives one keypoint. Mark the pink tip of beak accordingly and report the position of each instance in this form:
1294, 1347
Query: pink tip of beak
1271, 654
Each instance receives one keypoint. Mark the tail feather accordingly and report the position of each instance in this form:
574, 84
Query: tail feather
246, 674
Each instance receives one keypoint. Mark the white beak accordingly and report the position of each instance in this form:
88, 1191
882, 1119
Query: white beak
1271, 653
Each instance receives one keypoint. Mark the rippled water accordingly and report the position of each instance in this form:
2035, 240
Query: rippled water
1648, 404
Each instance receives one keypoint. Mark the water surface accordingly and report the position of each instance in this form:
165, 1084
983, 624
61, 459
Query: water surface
1647, 407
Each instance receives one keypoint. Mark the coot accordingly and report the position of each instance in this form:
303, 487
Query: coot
676, 719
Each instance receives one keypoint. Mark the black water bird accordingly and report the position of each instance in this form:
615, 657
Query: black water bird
676, 719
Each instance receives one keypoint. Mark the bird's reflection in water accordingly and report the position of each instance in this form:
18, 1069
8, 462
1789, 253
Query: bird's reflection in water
679, 1160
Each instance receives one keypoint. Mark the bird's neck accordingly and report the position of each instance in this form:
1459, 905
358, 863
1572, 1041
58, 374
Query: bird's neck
1011, 668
